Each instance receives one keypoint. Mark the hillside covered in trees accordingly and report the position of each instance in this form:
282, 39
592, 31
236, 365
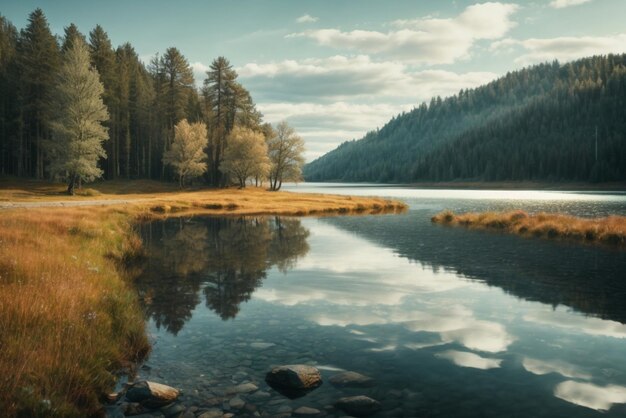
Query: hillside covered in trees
75, 108
538, 123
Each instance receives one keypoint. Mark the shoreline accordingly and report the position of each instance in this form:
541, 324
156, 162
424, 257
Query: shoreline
82, 255
525, 185
496, 185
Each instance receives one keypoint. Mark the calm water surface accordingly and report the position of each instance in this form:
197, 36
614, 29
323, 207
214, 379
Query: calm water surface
449, 322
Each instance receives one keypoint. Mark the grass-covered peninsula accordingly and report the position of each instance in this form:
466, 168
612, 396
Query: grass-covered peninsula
69, 317
609, 230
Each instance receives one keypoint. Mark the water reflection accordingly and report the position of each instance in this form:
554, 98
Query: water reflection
586, 278
395, 298
589, 395
542, 367
465, 359
223, 259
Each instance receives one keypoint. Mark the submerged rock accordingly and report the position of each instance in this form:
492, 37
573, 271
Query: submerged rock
242, 388
151, 394
237, 403
351, 379
359, 406
305, 411
294, 380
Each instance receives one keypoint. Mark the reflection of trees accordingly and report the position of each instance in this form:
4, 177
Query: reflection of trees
242, 251
586, 278
229, 257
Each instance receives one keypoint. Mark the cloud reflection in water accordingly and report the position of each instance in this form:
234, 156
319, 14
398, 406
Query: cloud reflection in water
600, 398
465, 359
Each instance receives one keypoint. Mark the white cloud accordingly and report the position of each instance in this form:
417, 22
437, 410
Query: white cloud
426, 40
340, 77
307, 19
564, 48
331, 100
199, 72
324, 126
559, 4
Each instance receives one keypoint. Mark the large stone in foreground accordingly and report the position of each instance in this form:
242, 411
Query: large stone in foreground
294, 380
351, 379
151, 394
358, 406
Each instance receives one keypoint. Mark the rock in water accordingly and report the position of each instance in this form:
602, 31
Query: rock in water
352, 379
294, 380
358, 406
151, 394
305, 411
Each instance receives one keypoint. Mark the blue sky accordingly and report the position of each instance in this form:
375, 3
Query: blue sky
336, 69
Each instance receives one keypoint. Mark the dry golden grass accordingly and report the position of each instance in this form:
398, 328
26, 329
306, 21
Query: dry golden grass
609, 230
29, 190
68, 319
257, 201
167, 199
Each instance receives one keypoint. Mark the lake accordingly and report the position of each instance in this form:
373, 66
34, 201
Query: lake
449, 322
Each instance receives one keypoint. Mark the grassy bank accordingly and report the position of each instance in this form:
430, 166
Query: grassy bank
163, 198
69, 317
609, 230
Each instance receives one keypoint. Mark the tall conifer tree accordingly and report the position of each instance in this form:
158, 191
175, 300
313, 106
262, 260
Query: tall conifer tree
77, 128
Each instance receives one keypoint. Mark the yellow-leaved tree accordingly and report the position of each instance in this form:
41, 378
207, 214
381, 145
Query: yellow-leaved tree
245, 155
186, 155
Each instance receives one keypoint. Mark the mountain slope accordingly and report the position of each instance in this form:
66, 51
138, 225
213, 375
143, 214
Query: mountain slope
534, 124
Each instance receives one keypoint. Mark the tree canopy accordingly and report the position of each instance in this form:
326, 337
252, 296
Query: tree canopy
245, 155
77, 130
186, 155
285, 152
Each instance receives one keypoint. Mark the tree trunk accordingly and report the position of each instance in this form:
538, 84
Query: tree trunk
70, 186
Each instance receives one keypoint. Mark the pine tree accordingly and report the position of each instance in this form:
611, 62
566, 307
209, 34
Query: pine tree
219, 93
77, 128
103, 59
9, 110
39, 58
179, 79
71, 33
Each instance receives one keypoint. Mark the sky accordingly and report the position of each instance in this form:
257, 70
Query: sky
336, 69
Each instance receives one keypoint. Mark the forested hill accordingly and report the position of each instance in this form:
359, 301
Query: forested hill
538, 123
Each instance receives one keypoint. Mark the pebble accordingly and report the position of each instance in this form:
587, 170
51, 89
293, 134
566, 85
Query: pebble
306, 411
237, 403
212, 413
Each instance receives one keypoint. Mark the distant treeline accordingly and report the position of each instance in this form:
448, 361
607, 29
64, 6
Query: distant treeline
538, 123
144, 102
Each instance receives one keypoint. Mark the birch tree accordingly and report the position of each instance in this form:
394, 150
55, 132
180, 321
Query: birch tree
245, 155
77, 131
285, 153
186, 155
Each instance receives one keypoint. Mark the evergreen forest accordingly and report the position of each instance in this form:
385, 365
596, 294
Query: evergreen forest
144, 101
539, 123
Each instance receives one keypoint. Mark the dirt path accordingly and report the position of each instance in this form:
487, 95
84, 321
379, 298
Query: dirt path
68, 203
